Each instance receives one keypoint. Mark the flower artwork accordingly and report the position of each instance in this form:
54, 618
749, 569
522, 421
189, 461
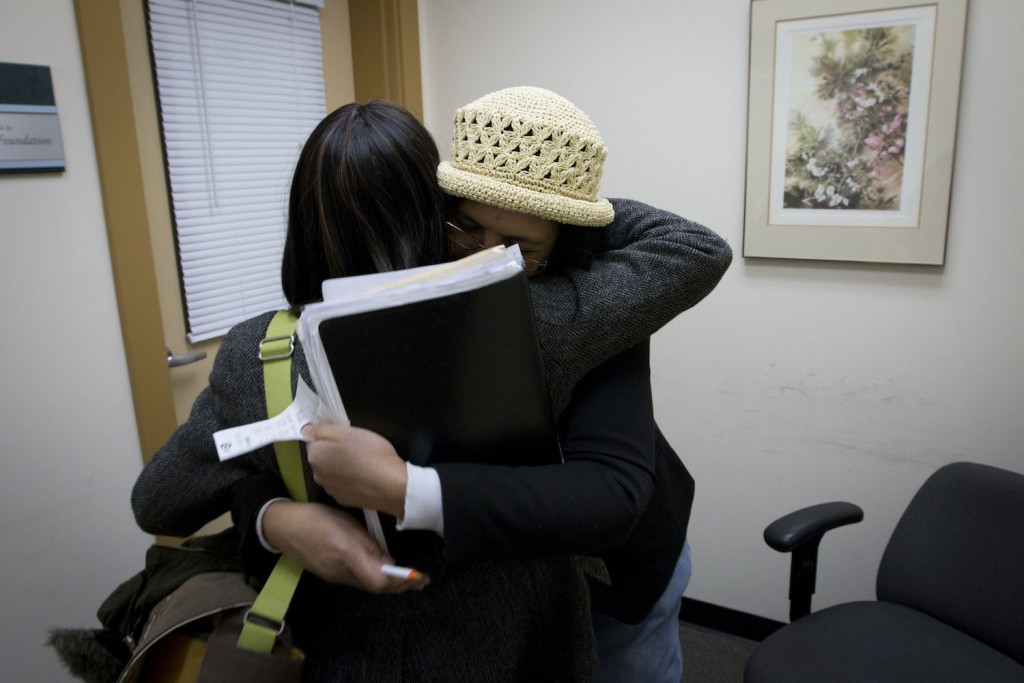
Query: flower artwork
850, 116
847, 132
851, 128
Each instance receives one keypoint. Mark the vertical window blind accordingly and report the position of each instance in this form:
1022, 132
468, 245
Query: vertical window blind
240, 87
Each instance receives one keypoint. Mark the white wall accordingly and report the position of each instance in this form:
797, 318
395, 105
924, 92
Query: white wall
794, 382
68, 441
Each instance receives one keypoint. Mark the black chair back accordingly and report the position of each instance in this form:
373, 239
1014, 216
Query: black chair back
957, 554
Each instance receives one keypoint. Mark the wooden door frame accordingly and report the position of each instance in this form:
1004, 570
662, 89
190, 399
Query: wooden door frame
119, 163
385, 65
386, 52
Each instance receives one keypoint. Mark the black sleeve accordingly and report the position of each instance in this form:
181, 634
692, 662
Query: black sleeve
588, 503
247, 497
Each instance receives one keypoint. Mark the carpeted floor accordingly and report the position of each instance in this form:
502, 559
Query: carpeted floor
712, 657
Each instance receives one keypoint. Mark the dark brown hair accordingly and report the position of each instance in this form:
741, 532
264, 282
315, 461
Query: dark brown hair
364, 199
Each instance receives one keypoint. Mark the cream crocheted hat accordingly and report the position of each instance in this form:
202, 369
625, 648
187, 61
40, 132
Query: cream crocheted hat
529, 150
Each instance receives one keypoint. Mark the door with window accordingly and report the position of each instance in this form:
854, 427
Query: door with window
366, 44
239, 86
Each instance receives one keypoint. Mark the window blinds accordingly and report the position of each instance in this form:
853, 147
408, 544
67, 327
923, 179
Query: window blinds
240, 84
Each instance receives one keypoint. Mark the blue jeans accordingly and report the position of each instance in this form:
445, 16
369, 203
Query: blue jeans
649, 651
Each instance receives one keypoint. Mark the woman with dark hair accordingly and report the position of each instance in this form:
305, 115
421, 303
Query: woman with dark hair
364, 199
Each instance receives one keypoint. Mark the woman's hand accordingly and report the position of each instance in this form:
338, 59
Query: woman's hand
357, 467
329, 543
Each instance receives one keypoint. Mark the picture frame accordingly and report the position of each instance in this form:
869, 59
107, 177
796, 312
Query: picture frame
851, 128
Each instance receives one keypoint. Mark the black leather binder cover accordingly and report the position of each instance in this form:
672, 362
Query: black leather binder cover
453, 379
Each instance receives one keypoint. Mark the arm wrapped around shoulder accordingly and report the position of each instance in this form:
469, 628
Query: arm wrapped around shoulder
655, 266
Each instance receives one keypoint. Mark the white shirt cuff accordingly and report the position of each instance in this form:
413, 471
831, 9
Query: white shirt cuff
259, 527
423, 503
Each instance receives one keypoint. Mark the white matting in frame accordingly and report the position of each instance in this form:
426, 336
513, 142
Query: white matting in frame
851, 128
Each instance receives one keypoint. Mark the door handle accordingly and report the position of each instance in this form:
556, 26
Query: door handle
184, 359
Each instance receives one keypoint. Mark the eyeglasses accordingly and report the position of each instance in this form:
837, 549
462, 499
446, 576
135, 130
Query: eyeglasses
468, 243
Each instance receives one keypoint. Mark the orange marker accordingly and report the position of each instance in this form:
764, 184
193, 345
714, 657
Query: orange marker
407, 573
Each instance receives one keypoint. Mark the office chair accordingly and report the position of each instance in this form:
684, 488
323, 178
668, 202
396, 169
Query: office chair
950, 590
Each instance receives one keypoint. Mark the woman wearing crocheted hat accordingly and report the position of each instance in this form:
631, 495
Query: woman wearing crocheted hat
525, 168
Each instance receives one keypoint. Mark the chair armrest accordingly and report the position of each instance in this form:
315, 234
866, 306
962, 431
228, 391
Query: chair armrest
810, 523
800, 533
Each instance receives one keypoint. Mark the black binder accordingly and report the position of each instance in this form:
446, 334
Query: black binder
457, 378
447, 368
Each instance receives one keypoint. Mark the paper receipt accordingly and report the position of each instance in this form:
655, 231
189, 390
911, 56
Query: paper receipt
286, 426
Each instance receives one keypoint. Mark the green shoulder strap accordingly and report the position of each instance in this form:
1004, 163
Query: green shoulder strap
265, 620
276, 353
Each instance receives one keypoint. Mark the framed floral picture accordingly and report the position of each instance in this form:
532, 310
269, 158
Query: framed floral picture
851, 128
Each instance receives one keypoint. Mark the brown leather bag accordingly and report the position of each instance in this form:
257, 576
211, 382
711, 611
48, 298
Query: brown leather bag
192, 637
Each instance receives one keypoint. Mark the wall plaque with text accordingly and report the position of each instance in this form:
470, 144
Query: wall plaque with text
29, 127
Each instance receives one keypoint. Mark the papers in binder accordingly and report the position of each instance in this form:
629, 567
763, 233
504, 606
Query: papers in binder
351, 295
